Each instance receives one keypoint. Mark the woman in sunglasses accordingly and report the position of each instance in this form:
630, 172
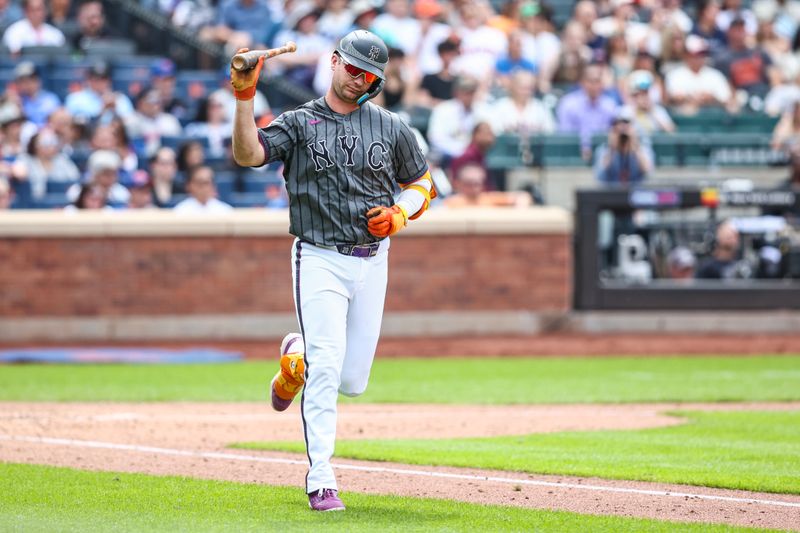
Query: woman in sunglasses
343, 156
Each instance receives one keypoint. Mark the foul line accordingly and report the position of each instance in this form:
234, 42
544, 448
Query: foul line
378, 469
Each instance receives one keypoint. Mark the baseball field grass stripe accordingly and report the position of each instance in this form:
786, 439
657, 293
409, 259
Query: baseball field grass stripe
466, 381
230, 456
747, 450
45, 499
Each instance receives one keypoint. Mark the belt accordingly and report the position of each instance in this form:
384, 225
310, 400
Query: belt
353, 250
359, 250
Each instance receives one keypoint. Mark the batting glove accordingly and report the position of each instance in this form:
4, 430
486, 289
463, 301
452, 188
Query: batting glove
244, 81
383, 221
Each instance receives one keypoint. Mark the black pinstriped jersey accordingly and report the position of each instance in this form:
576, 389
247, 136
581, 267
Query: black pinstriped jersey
339, 166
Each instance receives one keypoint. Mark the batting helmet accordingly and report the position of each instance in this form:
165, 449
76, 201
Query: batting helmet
364, 50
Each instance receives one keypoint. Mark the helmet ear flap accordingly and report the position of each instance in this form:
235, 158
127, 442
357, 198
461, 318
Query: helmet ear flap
375, 88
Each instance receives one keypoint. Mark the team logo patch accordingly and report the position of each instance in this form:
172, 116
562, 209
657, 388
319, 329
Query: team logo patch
373, 53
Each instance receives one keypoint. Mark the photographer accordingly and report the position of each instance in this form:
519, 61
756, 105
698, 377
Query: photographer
623, 159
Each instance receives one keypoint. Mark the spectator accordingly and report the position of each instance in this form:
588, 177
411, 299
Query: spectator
451, 122
150, 122
673, 14
113, 137
543, 46
68, 132
723, 263
37, 103
618, 57
786, 134
97, 99
574, 57
300, 26
141, 189
433, 32
92, 27
438, 87
103, 170
336, 20
681, 263
190, 154
623, 159
397, 27
162, 75
397, 89
194, 15
513, 61
482, 141
14, 131
648, 117
695, 85
673, 49
242, 24
732, 9
705, 25
10, 13
748, 69
584, 15
520, 112
62, 16
90, 196
32, 30
782, 98
470, 185
211, 123
587, 111
481, 45
364, 14
6, 195
202, 193
44, 162
645, 65
163, 174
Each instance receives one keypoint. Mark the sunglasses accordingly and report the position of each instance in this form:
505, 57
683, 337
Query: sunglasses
355, 72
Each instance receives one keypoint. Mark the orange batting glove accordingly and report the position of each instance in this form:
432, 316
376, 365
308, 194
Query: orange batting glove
384, 221
244, 81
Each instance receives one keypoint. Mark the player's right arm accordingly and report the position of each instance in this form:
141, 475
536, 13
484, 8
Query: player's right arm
247, 148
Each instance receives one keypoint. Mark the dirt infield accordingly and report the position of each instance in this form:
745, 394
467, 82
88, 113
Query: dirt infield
190, 439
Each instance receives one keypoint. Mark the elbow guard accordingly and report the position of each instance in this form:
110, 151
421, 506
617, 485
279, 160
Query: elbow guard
424, 186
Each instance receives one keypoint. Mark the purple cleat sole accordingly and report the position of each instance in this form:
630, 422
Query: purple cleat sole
325, 500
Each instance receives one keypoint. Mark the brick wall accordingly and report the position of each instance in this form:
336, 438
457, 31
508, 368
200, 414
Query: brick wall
111, 275
129, 265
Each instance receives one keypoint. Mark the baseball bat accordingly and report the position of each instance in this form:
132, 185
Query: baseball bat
248, 60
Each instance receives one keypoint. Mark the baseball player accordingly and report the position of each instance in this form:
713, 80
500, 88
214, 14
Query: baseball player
342, 157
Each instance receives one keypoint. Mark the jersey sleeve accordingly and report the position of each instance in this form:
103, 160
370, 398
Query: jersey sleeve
278, 138
408, 158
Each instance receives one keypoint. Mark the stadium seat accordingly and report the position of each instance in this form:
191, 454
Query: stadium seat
247, 199
226, 183
176, 142
66, 77
50, 201
59, 187
108, 48
560, 149
196, 84
255, 182
505, 153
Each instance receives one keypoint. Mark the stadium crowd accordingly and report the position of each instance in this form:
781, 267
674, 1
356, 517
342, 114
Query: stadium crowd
464, 72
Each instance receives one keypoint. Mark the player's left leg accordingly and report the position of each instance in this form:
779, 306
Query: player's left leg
364, 324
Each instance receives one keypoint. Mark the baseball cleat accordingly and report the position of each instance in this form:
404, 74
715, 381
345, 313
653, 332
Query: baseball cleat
290, 378
325, 500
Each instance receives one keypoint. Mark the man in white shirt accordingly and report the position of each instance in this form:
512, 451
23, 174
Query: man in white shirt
520, 112
103, 170
694, 85
32, 30
202, 193
451, 123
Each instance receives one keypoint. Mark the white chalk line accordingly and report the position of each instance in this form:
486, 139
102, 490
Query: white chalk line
377, 469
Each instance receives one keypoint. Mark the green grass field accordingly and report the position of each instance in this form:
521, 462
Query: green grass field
471, 381
757, 451
46, 499
744, 450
